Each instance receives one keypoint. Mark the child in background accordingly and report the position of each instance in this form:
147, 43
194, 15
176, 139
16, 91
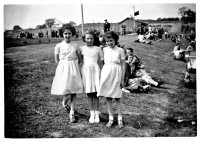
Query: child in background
128, 51
112, 76
91, 74
67, 81
102, 41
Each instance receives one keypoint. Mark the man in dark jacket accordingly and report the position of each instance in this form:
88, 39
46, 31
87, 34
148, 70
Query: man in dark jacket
106, 26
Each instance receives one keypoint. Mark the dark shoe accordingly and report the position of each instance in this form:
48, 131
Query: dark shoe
67, 108
160, 83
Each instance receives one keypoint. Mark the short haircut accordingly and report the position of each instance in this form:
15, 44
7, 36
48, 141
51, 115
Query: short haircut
69, 27
91, 32
111, 34
131, 49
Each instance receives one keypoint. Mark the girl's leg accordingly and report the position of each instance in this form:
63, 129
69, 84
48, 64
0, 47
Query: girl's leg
96, 102
110, 111
66, 99
73, 102
96, 107
119, 109
149, 80
91, 107
72, 107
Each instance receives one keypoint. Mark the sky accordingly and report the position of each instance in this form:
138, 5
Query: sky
31, 15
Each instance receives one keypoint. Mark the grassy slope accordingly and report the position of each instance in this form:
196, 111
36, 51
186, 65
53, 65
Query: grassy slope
30, 110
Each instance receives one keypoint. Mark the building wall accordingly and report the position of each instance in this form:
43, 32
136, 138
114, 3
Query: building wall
172, 27
129, 25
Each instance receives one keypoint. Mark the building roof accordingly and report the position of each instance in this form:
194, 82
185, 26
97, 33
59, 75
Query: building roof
131, 18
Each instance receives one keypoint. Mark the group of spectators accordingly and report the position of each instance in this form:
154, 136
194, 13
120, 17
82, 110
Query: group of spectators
185, 53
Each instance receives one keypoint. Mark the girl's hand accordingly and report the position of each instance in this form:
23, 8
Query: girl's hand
122, 84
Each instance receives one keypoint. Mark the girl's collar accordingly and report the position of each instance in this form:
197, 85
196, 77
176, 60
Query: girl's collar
113, 47
66, 42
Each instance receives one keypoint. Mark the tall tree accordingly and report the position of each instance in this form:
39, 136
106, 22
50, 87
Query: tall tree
50, 22
72, 23
41, 26
187, 15
182, 10
16, 27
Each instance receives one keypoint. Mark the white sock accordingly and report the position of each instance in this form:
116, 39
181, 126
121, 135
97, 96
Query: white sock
119, 117
71, 112
92, 113
110, 117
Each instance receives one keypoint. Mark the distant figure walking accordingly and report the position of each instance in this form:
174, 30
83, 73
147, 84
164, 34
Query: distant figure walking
106, 26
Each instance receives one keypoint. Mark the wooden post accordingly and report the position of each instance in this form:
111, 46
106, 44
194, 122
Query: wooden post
134, 17
82, 19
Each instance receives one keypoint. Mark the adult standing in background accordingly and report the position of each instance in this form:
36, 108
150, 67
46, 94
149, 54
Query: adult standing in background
106, 26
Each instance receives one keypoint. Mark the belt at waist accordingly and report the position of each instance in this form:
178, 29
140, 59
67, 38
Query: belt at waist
70, 58
115, 63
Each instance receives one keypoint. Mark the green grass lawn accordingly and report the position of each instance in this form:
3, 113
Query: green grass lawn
31, 112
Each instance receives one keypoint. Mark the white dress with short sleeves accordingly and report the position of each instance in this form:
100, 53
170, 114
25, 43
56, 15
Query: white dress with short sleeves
111, 73
67, 78
90, 69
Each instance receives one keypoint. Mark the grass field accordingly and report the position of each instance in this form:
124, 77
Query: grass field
31, 112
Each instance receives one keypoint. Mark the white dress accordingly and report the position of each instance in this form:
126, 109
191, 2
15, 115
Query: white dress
67, 78
111, 73
90, 69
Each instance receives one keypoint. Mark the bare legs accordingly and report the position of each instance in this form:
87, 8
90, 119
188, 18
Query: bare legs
72, 99
110, 111
93, 102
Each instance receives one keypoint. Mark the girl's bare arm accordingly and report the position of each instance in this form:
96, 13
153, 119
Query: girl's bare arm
56, 58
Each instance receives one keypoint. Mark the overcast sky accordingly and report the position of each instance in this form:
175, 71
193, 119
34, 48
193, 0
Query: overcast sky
31, 15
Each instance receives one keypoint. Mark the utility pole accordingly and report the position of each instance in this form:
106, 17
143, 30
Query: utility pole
133, 16
82, 19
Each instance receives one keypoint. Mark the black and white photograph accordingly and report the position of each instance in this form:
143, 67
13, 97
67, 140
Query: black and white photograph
99, 70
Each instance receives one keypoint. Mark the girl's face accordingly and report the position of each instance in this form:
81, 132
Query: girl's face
110, 42
89, 39
130, 59
134, 60
101, 39
128, 52
67, 34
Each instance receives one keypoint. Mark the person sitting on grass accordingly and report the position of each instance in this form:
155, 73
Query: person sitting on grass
140, 72
178, 53
141, 39
128, 51
132, 82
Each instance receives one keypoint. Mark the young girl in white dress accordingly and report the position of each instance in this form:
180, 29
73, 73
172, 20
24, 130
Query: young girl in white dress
112, 76
91, 74
67, 81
